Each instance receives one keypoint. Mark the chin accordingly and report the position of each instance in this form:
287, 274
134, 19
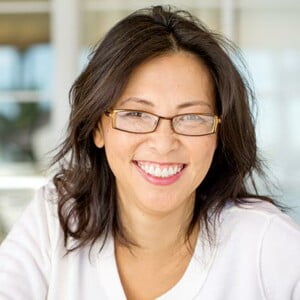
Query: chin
160, 205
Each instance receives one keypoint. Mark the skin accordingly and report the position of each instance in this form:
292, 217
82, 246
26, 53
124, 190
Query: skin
156, 217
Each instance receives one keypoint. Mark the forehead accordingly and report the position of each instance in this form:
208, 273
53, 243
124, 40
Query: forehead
170, 80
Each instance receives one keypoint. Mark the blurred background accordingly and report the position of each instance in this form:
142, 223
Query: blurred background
45, 43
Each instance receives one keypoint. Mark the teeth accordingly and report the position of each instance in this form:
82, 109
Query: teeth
151, 170
160, 172
164, 173
157, 172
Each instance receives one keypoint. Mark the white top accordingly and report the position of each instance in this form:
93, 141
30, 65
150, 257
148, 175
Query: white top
257, 257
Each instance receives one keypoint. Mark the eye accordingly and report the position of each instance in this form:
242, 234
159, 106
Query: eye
193, 117
133, 114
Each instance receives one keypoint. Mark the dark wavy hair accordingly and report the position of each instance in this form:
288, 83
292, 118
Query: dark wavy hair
85, 183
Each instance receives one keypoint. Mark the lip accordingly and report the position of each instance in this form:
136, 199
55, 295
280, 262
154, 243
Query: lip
159, 163
160, 180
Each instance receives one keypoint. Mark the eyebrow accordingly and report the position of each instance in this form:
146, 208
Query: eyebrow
149, 103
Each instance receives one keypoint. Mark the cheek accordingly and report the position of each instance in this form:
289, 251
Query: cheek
113, 149
119, 149
203, 153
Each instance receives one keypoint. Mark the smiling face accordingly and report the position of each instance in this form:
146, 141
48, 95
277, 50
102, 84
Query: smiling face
159, 172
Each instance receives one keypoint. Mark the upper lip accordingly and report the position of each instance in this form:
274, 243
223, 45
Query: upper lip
160, 163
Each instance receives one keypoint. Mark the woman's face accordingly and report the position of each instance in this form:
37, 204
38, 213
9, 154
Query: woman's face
168, 85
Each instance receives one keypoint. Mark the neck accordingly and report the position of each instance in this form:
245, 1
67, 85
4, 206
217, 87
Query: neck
162, 255
158, 235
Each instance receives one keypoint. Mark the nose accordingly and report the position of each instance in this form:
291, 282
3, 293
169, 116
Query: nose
163, 140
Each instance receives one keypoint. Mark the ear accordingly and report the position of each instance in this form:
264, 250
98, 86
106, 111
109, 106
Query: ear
98, 136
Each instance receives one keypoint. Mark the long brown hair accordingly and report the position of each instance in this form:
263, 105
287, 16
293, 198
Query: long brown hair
85, 183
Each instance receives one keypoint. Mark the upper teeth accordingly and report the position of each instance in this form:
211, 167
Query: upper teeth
157, 171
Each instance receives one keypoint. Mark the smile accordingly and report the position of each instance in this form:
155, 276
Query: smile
160, 174
162, 171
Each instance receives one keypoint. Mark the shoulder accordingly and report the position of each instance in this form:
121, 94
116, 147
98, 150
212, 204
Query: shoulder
40, 218
48, 193
253, 206
26, 252
260, 228
255, 213
261, 222
44, 203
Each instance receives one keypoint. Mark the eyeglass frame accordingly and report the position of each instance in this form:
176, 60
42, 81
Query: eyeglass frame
112, 113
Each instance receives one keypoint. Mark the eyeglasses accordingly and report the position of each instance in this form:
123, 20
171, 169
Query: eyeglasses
136, 121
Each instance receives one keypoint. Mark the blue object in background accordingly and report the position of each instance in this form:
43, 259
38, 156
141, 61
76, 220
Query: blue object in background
9, 109
10, 66
38, 68
25, 88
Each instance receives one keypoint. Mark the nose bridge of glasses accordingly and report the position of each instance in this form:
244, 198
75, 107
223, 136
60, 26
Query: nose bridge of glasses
168, 123
163, 138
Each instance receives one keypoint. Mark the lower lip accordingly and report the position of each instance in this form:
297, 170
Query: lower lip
159, 180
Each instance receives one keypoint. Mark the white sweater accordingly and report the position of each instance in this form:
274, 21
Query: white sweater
257, 257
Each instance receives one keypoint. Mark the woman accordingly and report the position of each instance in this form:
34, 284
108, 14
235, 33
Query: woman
152, 200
